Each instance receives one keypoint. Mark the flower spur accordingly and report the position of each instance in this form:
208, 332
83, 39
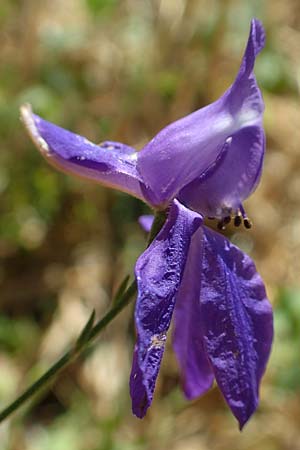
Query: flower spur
203, 165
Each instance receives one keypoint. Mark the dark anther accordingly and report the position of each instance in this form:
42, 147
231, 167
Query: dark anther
247, 223
223, 222
237, 221
221, 225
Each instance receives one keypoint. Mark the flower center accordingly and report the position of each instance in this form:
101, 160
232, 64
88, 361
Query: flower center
238, 216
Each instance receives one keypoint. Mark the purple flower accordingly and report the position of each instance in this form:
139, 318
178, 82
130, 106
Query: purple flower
223, 320
203, 165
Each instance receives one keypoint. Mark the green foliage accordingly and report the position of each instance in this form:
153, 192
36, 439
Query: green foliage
287, 338
18, 336
100, 7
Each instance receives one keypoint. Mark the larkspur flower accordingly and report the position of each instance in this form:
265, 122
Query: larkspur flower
203, 165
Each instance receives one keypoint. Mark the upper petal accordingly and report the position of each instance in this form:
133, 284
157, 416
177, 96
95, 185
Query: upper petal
159, 272
237, 322
181, 152
232, 178
111, 164
197, 373
243, 98
184, 150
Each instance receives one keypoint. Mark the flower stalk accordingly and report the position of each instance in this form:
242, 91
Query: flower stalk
88, 335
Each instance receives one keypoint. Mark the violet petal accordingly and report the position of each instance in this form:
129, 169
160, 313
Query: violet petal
159, 272
184, 150
232, 178
197, 373
236, 172
111, 164
237, 322
146, 222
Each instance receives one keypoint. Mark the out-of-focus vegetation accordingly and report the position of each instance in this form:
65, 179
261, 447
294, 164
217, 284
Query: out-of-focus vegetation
121, 70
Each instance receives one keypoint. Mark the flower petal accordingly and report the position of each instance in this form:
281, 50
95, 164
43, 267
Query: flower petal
233, 177
187, 148
188, 344
243, 98
146, 222
111, 164
159, 272
181, 152
237, 322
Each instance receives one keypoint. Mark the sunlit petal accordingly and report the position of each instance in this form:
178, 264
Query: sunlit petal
159, 272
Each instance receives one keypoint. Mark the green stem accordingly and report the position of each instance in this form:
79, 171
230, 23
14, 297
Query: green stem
74, 352
70, 355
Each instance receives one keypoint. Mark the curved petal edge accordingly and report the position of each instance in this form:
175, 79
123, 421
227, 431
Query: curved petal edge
111, 164
195, 367
237, 322
159, 272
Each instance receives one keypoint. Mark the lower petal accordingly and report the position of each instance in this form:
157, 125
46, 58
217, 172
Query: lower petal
159, 272
237, 322
188, 344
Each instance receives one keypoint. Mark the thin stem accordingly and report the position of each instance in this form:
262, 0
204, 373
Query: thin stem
126, 297
79, 346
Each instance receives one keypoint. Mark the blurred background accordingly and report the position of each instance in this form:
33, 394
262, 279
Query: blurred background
121, 70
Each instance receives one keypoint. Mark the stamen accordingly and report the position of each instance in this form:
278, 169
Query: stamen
237, 221
238, 216
221, 225
247, 223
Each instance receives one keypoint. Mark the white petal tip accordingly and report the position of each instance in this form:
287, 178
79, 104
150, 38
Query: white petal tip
28, 120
